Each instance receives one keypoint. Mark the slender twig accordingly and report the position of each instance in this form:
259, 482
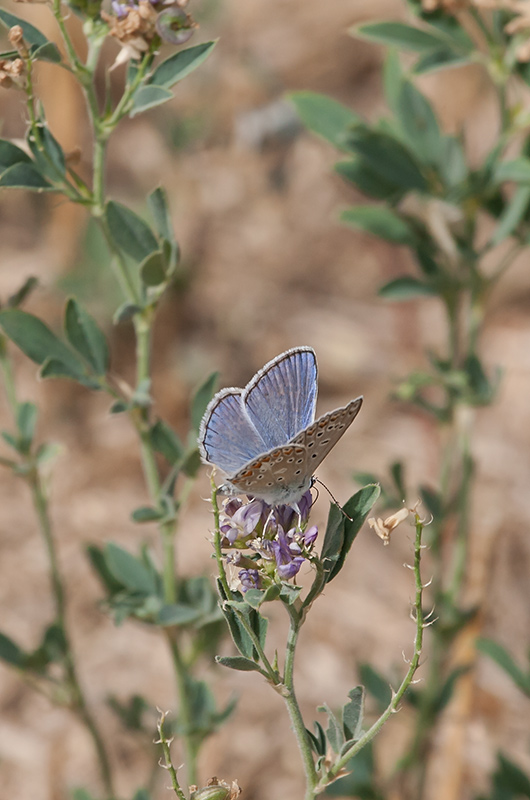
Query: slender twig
76, 699
168, 764
293, 708
397, 696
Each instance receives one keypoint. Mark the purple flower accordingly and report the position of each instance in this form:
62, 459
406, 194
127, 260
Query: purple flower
287, 564
248, 516
274, 534
120, 7
305, 505
230, 506
240, 520
310, 535
289, 570
250, 579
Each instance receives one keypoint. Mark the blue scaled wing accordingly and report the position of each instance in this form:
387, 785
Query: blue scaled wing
227, 437
280, 399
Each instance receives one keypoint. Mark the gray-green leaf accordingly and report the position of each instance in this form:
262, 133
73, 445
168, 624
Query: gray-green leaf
85, 337
180, 64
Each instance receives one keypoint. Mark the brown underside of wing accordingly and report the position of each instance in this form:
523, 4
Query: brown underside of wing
300, 457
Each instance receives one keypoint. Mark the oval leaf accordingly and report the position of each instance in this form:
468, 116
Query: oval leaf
85, 337
129, 232
238, 662
180, 64
10, 154
381, 222
400, 35
24, 176
341, 531
405, 288
129, 570
149, 97
324, 116
35, 339
177, 614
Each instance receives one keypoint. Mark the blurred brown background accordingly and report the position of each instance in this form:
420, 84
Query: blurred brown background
255, 206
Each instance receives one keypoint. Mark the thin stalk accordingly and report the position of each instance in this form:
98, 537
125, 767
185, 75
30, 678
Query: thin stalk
166, 744
69, 47
40, 503
9, 379
217, 543
294, 710
191, 747
460, 548
79, 703
367, 737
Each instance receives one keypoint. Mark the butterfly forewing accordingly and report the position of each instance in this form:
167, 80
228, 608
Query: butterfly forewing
280, 400
284, 473
324, 433
227, 437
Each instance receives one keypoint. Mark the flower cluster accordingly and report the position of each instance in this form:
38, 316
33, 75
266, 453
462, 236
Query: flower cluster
268, 543
140, 25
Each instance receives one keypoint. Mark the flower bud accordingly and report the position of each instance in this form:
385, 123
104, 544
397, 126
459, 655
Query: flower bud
216, 790
211, 793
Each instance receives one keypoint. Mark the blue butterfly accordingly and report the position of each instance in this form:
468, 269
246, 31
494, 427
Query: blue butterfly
265, 436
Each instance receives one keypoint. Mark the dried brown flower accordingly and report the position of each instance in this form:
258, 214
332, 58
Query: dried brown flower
384, 528
12, 73
16, 38
134, 31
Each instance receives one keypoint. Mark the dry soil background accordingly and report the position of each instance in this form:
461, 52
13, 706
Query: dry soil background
255, 207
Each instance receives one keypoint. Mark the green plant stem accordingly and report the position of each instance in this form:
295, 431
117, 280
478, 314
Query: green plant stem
8, 378
40, 503
79, 704
294, 709
166, 743
333, 773
74, 61
191, 745
217, 543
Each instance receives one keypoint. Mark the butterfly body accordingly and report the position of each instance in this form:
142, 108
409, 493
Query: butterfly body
265, 436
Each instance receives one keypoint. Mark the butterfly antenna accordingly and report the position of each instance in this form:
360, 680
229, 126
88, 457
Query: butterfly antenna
317, 480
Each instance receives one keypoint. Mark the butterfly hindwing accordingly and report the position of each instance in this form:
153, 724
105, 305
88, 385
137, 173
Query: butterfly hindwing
288, 470
276, 474
280, 400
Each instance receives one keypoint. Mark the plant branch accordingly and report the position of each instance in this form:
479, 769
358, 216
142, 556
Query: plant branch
397, 696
